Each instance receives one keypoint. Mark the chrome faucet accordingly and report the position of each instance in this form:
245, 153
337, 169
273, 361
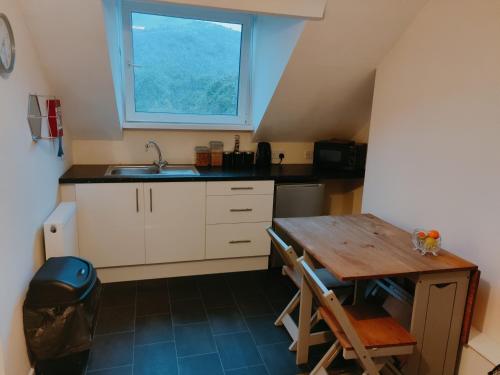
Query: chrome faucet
160, 163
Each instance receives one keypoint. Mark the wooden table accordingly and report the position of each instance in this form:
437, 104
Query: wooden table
364, 247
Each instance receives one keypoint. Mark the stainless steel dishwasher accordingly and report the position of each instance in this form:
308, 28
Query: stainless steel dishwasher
296, 200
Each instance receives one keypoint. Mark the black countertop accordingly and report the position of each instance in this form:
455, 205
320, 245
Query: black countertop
82, 174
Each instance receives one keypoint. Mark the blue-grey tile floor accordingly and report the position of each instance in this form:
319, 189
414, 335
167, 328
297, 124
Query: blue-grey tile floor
213, 324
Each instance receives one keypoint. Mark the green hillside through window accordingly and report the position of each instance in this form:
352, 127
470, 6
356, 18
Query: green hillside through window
185, 66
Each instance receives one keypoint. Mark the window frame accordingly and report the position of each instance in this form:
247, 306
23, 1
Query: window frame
145, 120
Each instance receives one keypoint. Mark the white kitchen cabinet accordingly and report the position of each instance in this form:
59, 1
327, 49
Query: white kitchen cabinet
125, 224
174, 221
237, 240
238, 214
240, 187
111, 223
239, 209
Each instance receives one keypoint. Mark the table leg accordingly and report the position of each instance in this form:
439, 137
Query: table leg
359, 291
306, 298
438, 309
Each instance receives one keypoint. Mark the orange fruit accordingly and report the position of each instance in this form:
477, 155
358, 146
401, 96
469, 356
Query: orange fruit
422, 235
434, 234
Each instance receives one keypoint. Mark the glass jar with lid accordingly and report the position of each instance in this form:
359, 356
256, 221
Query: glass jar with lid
216, 152
202, 156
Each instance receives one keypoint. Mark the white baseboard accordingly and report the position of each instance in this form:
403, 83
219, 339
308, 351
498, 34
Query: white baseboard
485, 346
156, 271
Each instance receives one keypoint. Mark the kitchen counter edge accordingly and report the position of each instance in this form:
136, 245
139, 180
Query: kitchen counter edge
87, 174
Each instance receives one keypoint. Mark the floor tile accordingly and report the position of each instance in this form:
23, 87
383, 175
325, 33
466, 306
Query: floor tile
115, 319
203, 364
278, 359
279, 304
237, 350
207, 282
244, 284
254, 305
223, 299
211, 324
216, 293
125, 370
188, 311
279, 289
152, 329
194, 339
118, 294
152, 285
155, 359
183, 288
264, 331
153, 301
226, 320
254, 370
111, 351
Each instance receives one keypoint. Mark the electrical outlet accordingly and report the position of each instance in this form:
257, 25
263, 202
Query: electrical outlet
276, 154
308, 155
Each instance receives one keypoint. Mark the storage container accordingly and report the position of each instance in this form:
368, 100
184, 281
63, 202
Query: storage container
216, 151
227, 159
202, 156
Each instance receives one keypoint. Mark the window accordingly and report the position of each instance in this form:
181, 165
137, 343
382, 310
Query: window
185, 67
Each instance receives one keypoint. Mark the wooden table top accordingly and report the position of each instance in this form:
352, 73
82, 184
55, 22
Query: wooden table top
357, 247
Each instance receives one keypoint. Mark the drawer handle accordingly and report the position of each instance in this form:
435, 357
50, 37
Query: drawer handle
240, 241
241, 209
151, 200
137, 200
242, 188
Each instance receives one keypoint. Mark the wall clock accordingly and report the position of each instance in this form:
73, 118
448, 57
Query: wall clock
7, 45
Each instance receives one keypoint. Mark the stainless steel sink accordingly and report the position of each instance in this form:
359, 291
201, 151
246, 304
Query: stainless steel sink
151, 170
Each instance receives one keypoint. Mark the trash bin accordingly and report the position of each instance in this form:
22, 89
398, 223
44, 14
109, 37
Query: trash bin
60, 312
495, 371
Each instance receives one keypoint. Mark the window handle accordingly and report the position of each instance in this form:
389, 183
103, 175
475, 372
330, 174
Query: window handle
241, 210
132, 65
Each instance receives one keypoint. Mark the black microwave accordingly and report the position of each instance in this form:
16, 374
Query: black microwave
340, 155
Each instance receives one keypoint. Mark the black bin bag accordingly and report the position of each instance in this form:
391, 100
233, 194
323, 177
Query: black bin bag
60, 311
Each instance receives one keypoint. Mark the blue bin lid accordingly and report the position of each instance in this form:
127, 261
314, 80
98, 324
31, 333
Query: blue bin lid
61, 281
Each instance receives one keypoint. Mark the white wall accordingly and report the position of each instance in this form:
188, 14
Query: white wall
28, 190
74, 54
434, 155
295, 8
326, 89
274, 39
178, 147
2, 366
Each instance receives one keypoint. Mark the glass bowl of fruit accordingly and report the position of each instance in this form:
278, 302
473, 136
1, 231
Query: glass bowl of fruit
427, 241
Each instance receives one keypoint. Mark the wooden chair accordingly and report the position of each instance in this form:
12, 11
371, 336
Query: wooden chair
290, 269
364, 332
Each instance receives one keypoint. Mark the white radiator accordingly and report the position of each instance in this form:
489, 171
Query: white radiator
60, 231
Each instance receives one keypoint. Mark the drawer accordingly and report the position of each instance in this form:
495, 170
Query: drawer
239, 209
237, 240
240, 187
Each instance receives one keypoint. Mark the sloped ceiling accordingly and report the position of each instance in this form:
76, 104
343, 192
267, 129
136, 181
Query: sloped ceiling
71, 41
326, 89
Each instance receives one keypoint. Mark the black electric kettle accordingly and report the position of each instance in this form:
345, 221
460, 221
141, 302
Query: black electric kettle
264, 155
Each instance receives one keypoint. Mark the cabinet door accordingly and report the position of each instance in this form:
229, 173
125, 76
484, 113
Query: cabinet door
111, 223
175, 221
